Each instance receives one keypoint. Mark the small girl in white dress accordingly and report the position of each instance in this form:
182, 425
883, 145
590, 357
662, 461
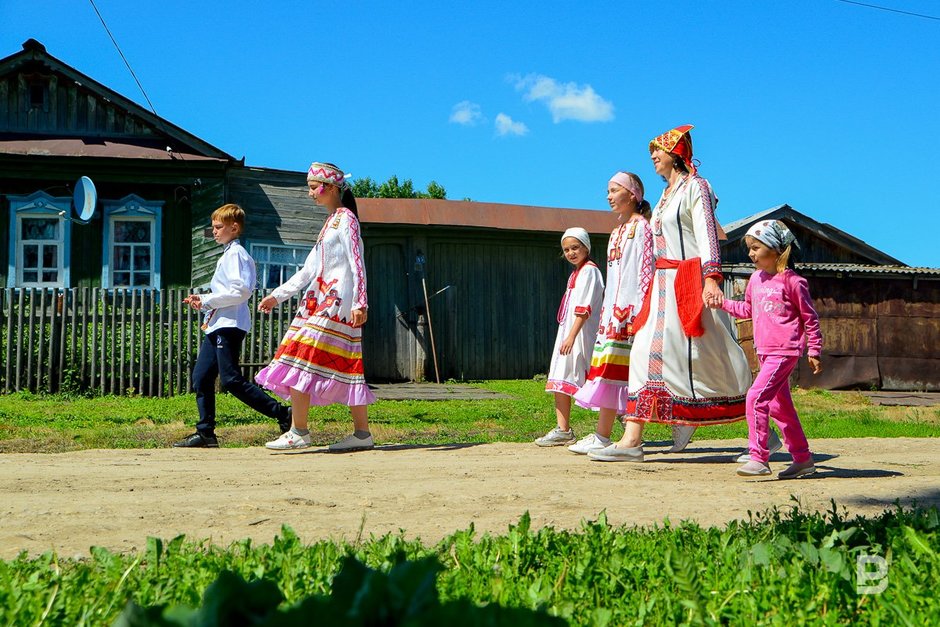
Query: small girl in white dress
578, 318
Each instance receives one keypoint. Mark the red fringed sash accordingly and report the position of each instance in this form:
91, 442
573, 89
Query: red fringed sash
688, 286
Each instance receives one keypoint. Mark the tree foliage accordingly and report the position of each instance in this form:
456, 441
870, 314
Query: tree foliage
392, 188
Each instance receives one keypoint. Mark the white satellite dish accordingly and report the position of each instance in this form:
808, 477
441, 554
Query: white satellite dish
84, 200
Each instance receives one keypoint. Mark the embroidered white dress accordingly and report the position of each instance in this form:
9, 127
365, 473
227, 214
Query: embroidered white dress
629, 272
675, 378
321, 353
583, 295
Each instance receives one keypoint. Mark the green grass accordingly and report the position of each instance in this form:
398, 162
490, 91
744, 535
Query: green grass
778, 568
30, 423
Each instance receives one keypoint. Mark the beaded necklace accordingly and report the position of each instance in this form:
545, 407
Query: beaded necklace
661, 205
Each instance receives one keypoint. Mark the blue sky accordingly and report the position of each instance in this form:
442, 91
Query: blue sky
830, 107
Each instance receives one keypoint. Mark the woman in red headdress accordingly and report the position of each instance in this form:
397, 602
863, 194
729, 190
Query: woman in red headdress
686, 369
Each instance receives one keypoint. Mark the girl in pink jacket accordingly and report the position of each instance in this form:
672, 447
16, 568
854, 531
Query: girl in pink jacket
777, 300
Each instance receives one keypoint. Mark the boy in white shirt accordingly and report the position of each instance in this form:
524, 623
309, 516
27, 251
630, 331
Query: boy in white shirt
226, 322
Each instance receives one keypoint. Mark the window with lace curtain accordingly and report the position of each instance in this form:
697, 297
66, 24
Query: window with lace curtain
275, 263
131, 256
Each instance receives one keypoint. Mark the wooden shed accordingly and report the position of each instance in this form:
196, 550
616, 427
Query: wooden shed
880, 319
494, 274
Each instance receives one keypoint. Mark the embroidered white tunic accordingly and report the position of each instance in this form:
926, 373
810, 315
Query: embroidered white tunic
333, 271
629, 273
321, 353
583, 295
675, 378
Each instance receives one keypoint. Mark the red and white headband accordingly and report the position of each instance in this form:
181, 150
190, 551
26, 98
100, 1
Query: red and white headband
327, 173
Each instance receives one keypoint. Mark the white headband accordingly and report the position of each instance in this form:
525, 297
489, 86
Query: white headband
579, 234
773, 233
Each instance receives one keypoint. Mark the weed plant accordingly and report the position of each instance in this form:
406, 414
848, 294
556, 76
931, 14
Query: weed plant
785, 567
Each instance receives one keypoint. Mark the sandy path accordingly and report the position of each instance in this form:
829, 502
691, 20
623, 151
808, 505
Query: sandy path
116, 498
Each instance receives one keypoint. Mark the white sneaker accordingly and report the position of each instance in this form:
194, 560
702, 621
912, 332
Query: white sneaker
681, 436
795, 471
590, 443
289, 441
351, 443
556, 437
754, 469
614, 454
773, 445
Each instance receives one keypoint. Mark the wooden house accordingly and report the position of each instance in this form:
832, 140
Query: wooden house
880, 319
157, 184
494, 273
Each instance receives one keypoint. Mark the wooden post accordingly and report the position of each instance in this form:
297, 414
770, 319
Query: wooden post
85, 337
62, 309
427, 310
121, 350
11, 349
32, 340
94, 339
21, 296
112, 350
155, 358
164, 294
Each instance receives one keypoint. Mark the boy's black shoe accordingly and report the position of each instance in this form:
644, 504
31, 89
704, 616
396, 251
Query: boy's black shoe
197, 440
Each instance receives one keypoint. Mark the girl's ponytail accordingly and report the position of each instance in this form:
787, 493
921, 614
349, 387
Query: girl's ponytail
787, 257
645, 210
348, 200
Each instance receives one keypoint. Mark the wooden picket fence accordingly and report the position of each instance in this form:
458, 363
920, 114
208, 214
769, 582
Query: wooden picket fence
116, 341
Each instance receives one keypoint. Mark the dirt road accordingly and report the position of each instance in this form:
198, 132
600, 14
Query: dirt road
116, 498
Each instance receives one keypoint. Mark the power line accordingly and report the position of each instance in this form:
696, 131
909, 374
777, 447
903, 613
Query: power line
159, 120
129, 68
875, 6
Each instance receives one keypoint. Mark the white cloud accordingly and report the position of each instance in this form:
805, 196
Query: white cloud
566, 101
505, 126
466, 113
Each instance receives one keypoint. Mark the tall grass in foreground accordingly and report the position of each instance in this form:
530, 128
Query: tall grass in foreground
777, 568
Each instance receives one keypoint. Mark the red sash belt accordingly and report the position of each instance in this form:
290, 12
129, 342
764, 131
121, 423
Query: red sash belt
688, 286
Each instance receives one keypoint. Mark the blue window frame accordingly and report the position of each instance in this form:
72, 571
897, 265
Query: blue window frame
40, 241
131, 241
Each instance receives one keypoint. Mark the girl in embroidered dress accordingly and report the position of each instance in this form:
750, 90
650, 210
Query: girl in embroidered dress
685, 368
578, 316
629, 272
778, 301
319, 360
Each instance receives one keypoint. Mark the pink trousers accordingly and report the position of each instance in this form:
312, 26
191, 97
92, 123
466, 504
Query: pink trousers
769, 396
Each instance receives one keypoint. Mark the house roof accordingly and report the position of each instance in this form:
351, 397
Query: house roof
83, 147
433, 212
848, 269
50, 143
786, 213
